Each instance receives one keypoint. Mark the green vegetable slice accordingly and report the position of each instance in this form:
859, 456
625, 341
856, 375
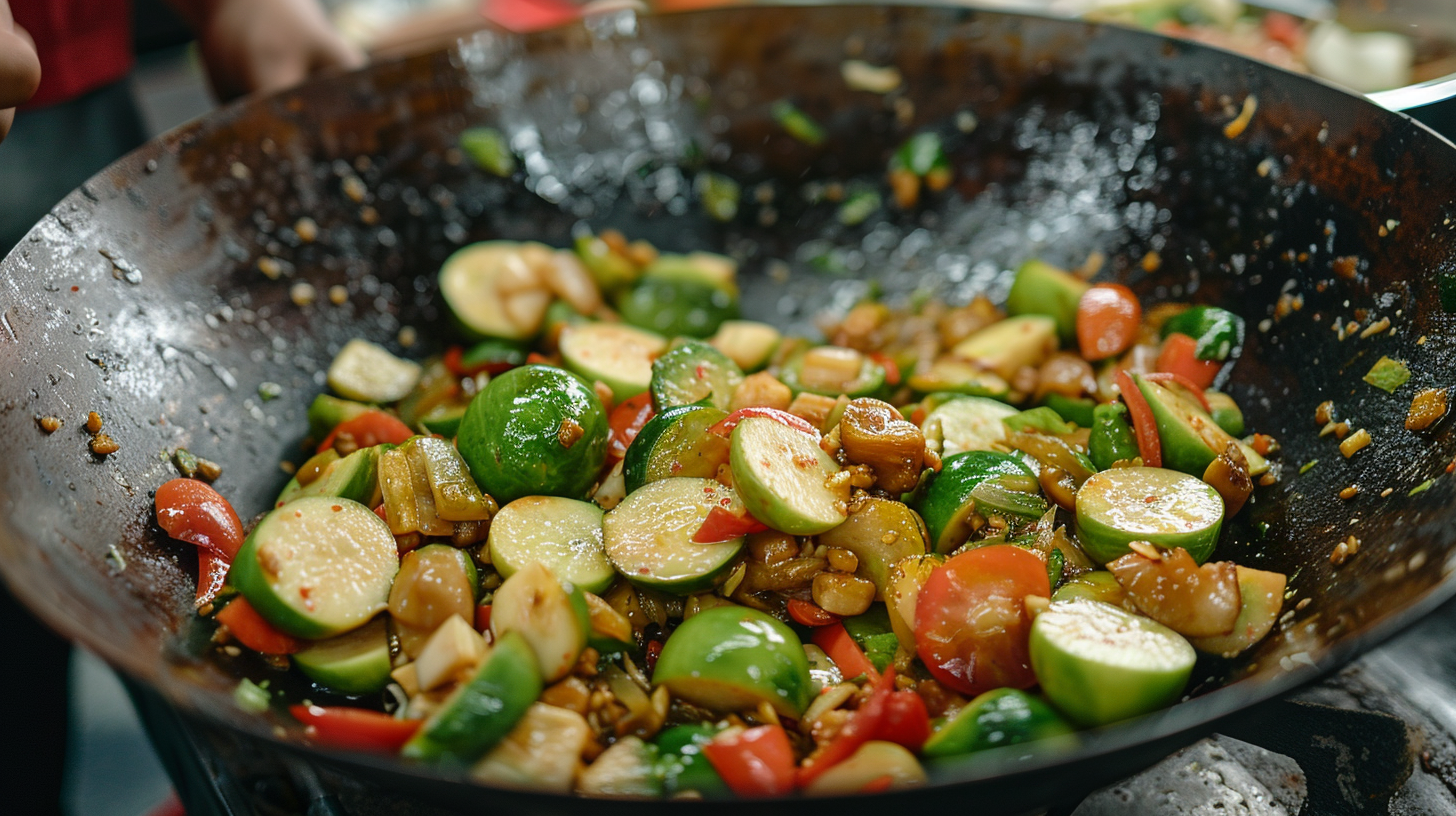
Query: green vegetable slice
730, 658
564, 535
649, 536
1388, 374
482, 711
1219, 332
692, 372
1119, 506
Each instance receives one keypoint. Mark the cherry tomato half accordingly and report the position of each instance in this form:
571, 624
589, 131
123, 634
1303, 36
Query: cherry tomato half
1108, 316
972, 629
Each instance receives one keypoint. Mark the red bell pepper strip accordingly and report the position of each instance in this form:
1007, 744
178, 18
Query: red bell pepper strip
191, 511
1180, 356
892, 368
369, 429
253, 631
482, 618
846, 654
1144, 427
725, 525
809, 614
725, 426
906, 720
758, 762
1188, 385
879, 784
627, 420
355, 729
861, 727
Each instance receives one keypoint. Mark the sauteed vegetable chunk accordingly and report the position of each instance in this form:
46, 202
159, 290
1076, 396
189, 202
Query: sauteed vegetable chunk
588, 553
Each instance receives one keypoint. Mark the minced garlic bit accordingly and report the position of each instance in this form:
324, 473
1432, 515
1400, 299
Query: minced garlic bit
862, 76
93, 423
302, 293
1350, 492
1344, 550
407, 336
271, 268
1426, 407
103, 445
1324, 413
1357, 441
1152, 261
338, 295
307, 229
50, 424
1236, 128
1375, 328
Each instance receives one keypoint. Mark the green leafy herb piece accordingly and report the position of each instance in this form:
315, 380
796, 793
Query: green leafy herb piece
797, 123
250, 697
269, 391
1422, 487
1447, 287
1388, 374
1308, 466
920, 154
858, 207
720, 195
487, 148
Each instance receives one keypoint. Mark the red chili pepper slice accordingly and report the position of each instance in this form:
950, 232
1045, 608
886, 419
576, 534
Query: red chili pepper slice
253, 631
754, 763
809, 614
725, 426
834, 639
861, 727
627, 420
356, 729
369, 429
1150, 448
725, 525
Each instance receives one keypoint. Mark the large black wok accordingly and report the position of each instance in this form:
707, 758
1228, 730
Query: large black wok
141, 295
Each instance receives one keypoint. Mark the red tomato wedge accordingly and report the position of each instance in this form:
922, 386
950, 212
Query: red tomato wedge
861, 727
369, 429
906, 720
758, 762
627, 420
834, 639
725, 525
726, 425
1108, 316
355, 729
809, 614
253, 631
1188, 385
482, 618
191, 511
1144, 427
972, 629
1179, 357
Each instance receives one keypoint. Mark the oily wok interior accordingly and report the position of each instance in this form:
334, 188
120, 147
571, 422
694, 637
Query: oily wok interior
143, 296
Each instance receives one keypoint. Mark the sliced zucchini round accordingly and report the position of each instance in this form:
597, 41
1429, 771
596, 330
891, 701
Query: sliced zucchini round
831, 371
956, 494
693, 372
649, 536
676, 442
1099, 664
1119, 506
995, 719
618, 355
564, 535
356, 662
783, 477
367, 372
318, 566
494, 290
966, 424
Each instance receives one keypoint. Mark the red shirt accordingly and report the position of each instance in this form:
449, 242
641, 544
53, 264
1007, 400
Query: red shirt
83, 44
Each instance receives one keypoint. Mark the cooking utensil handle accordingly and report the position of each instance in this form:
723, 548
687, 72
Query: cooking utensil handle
1432, 103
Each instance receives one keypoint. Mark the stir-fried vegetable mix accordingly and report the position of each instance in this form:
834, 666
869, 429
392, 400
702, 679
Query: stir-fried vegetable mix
651, 549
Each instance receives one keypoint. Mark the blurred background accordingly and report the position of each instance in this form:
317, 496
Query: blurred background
1368, 45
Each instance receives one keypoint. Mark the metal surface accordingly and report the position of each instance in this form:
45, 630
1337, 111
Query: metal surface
141, 295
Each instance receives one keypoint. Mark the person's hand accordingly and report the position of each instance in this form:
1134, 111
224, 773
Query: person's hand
19, 68
266, 45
